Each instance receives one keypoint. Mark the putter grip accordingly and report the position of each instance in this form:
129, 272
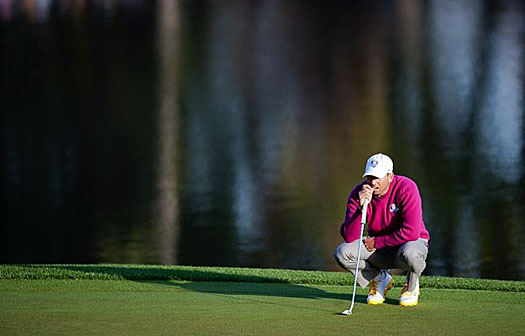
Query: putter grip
364, 210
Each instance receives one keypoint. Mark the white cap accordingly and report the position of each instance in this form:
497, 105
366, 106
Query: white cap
379, 165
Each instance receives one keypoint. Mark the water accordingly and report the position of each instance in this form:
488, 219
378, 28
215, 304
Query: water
230, 132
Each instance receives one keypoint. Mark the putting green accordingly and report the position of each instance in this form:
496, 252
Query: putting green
125, 307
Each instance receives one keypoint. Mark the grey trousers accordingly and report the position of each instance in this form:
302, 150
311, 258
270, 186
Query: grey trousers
409, 257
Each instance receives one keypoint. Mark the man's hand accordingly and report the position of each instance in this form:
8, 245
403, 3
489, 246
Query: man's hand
370, 243
365, 193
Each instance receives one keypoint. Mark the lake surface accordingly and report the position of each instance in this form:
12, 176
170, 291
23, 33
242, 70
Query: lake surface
231, 132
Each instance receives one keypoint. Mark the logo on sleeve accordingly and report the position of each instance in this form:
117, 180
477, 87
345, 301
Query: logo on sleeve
393, 208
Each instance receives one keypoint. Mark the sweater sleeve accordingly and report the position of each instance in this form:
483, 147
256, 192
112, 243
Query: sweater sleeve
351, 227
410, 221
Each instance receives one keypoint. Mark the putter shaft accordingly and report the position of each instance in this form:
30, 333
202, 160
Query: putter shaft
363, 222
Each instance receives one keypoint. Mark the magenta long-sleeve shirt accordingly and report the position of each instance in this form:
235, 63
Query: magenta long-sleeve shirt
394, 218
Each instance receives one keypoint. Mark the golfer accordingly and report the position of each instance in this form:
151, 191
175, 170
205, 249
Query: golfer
398, 239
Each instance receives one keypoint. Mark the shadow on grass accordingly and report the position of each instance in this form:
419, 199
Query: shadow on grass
255, 293
272, 289
212, 282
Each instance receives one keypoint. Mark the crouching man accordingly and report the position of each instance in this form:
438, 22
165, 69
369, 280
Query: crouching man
397, 237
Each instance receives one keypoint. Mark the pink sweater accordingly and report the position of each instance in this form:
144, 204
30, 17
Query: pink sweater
394, 218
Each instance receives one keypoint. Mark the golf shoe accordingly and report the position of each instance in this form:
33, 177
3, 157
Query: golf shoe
408, 299
379, 286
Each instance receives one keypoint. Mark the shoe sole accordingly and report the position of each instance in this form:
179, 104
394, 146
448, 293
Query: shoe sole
375, 303
388, 287
408, 304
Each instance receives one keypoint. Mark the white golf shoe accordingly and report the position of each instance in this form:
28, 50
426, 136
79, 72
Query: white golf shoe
408, 299
379, 286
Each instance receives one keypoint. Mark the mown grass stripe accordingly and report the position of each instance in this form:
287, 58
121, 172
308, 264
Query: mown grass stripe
232, 274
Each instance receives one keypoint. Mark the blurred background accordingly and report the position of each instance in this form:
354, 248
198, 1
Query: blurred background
231, 132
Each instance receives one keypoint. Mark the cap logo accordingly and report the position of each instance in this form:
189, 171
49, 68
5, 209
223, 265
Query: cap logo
374, 163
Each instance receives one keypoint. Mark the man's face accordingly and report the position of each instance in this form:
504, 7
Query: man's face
380, 185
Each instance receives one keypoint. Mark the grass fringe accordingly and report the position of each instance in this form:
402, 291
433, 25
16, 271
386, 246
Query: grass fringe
232, 274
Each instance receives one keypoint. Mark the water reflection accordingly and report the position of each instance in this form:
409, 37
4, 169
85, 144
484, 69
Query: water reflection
230, 132
166, 211
456, 31
500, 133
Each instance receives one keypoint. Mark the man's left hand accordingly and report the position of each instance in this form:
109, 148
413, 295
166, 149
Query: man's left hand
370, 243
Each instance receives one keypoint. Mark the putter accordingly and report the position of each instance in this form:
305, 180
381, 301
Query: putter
363, 222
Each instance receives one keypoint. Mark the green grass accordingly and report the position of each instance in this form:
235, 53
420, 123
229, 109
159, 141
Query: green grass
123, 307
230, 274
157, 300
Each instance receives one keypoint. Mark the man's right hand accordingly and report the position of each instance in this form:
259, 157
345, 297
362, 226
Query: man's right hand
365, 193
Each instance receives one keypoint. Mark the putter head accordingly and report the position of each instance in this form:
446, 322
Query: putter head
346, 312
